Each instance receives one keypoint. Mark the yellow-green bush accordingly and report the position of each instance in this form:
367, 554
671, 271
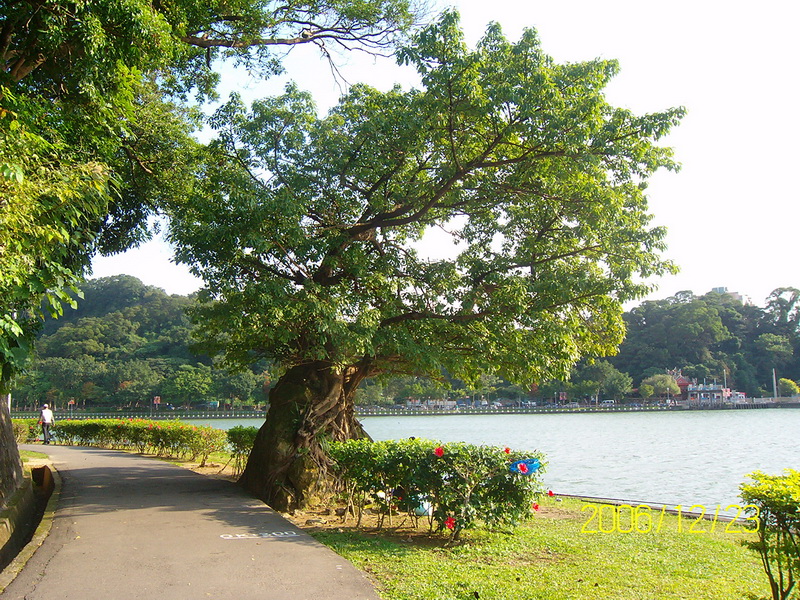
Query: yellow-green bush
25, 430
775, 500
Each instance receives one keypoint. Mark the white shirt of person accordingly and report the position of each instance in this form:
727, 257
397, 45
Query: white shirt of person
47, 416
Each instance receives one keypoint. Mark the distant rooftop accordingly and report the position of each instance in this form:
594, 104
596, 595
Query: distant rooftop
735, 295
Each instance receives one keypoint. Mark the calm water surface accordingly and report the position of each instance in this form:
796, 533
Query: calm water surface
693, 457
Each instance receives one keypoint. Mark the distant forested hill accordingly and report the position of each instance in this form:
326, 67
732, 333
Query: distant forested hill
715, 337
125, 344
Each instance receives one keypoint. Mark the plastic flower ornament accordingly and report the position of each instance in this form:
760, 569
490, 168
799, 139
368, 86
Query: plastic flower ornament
439, 451
450, 523
526, 466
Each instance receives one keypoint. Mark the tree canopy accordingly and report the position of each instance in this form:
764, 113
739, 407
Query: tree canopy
305, 229
92, 138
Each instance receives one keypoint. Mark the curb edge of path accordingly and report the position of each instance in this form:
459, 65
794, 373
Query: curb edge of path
14, 568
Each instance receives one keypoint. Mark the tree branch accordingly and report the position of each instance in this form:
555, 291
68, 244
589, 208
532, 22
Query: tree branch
420, 316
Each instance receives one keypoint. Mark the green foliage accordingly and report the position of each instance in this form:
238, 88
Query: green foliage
787, 387
92, 141
241, 440
372, 393
123, 345
49, 207
715, 337
663, 385
646, 391
163, 438
188, 384
25, 430
204, 441
777, 501
601, 379
318, 263
464, 485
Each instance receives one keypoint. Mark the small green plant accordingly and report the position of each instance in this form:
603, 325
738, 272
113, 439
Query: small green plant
457, 486
240, 442
775, 499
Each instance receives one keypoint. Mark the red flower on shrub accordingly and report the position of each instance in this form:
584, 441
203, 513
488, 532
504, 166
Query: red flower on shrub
507, 450
439, 451
550, 493
523, 468
450, 523
535, 506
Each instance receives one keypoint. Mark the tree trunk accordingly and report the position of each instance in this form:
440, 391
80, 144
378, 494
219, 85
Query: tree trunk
10, 465
310, 405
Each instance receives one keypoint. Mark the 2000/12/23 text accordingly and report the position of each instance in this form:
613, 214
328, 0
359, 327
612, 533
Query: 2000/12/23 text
642, 518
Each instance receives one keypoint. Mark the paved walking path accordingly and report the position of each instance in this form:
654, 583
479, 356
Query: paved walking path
134, 528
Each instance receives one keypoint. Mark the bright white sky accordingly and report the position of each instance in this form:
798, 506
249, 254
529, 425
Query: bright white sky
732, 212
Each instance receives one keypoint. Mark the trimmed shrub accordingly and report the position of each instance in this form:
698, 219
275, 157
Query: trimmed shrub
25, 429
163, 438
457, 486
205, 440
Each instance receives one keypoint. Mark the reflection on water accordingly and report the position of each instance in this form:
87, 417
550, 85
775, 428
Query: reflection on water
692, 457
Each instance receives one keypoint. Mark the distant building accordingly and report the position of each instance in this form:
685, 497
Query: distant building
707, 393
746, 300
682, 382
703, 393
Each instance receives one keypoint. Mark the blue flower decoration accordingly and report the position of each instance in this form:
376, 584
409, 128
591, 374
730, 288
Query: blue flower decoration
531, 465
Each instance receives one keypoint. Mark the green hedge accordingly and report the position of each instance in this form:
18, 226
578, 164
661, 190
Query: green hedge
456, 486
163, 438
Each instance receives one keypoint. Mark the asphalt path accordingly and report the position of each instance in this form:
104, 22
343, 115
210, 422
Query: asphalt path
133, 528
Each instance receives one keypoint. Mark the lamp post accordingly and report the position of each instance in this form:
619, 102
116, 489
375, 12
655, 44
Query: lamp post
774, 385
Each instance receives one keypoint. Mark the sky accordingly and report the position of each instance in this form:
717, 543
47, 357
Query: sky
732, 212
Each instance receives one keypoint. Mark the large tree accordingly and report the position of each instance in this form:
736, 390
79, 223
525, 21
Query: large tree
306, 232
90, 145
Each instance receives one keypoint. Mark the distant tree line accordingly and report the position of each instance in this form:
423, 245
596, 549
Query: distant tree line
127, 343
710, 338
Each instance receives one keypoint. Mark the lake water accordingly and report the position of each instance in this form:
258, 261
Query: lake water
671, 458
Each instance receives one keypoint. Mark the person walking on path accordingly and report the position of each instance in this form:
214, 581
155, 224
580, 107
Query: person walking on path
46, 419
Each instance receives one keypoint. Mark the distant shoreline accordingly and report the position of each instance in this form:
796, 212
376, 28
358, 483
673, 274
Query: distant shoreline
414, 411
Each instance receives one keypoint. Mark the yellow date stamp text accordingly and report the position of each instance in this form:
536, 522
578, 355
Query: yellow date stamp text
644, 518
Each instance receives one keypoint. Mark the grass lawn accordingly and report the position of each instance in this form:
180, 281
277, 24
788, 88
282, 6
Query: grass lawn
27, 455
550, 558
